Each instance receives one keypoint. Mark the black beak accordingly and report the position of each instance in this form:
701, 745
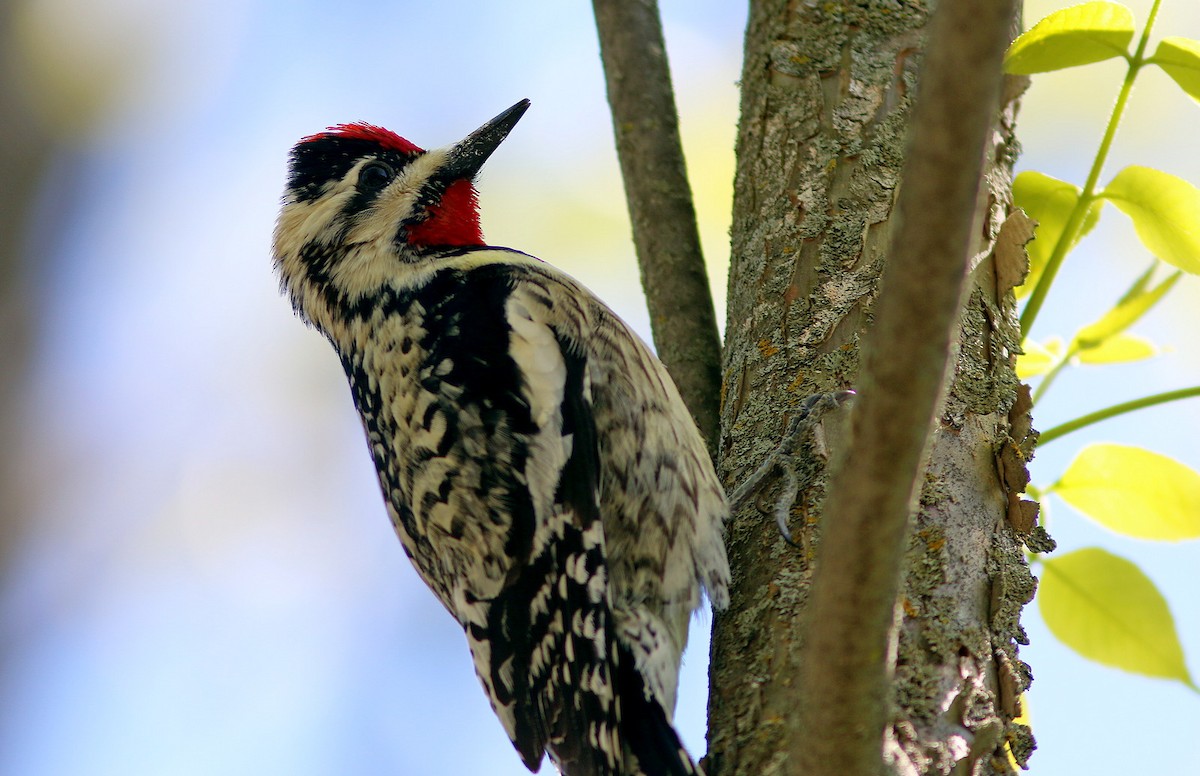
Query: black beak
468, 156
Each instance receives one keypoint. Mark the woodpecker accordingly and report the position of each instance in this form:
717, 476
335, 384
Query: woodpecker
537, 462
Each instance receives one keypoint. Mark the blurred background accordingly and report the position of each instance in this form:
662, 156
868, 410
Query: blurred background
198, 576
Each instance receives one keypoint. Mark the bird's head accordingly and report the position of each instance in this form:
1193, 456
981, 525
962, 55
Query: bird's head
365, 210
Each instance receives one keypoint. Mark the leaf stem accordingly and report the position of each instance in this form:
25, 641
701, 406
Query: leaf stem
1054, 372
1071, 229
1063, 429
1076, 346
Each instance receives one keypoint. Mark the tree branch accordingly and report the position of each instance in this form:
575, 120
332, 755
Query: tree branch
660, 203
853, 599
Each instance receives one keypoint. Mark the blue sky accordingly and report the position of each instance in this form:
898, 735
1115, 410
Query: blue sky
210, 583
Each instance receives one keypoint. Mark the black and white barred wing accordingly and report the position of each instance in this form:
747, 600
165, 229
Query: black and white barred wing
546, 648
542, 645
496, 496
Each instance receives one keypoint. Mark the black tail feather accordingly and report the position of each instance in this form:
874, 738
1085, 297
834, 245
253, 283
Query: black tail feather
645, 728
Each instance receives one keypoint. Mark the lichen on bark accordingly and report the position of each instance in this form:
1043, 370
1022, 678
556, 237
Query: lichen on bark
825, 104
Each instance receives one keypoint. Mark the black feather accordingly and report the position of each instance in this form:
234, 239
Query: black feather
644, 725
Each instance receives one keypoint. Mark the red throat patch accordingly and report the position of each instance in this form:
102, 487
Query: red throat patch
454, 221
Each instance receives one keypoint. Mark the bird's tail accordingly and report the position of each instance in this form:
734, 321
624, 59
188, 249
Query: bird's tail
646, 733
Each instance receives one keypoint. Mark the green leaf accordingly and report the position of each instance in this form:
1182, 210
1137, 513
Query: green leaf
1118, 349
1139, 285
1180, 59
1132, 306
1165, 211
1104, 607
1038, 358
1134, 492
1079, 35
1048, 201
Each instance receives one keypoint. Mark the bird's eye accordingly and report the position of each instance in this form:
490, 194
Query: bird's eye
374, 176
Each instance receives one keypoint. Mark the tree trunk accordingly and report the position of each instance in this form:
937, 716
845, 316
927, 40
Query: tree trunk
826, 98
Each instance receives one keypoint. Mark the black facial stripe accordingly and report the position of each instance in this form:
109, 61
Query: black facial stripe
430, 194
317, 162
319, 258
361, 200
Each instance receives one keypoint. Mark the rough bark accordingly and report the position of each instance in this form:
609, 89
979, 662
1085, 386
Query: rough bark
826, 98
665, 233
857, 579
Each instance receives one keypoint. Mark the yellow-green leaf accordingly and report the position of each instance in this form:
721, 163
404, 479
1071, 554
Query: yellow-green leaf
1134, 492
1131, 307
1104, 607
1180, 59
1048, 201
1039, 357
1079, 35
1118, 349
1165, 211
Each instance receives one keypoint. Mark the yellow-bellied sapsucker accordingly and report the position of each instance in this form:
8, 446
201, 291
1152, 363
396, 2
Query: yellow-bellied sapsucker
537, 462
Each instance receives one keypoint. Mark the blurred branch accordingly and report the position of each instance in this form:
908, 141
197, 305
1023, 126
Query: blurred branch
24, 155
858, 573
660, 203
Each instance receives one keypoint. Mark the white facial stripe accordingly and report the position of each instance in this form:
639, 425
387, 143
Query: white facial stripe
379, 221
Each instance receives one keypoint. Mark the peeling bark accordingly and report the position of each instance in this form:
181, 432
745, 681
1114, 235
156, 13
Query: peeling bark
826, 92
